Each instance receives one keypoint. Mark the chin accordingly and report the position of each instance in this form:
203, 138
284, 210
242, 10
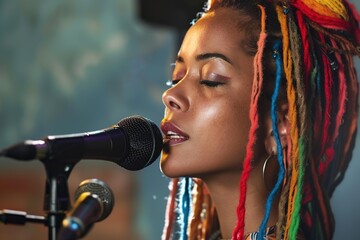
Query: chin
165, 167
173, 166
173, 169
170, 171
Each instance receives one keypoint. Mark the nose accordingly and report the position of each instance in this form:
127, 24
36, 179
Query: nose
175, 98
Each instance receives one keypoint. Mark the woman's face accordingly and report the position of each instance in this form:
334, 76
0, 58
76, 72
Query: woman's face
206, 119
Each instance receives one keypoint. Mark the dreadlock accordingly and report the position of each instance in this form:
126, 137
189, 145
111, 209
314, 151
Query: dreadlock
307, 48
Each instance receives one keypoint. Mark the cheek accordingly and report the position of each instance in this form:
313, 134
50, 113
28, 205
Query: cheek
225, 135
234, 137
235, 128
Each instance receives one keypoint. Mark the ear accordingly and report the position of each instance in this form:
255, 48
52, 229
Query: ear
283, 129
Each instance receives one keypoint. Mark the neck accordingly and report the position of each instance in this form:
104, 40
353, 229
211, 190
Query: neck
224, 191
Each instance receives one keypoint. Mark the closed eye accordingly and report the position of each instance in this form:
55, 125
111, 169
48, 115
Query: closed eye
209, 83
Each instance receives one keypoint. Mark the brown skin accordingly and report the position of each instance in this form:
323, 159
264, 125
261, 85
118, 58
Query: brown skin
216, 118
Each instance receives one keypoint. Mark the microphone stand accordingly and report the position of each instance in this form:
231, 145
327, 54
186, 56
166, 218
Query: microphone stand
56, 200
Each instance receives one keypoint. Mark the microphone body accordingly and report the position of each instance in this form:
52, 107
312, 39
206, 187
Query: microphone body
134, 143
94, 202
108, 144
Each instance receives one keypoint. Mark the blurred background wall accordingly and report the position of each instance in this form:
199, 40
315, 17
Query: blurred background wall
74, 66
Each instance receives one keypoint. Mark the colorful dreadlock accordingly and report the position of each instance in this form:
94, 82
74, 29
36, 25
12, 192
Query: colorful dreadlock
307, 23
178, 209
313, 59
274, 119
257, 86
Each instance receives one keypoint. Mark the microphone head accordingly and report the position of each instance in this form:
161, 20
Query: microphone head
100, 189
145, 142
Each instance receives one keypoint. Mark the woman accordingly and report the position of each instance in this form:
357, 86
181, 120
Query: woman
260, 120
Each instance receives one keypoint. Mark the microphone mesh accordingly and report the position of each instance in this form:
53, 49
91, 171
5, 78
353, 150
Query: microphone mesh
102, 190
145, 142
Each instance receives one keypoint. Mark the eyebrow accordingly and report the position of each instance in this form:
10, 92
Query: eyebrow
206, 56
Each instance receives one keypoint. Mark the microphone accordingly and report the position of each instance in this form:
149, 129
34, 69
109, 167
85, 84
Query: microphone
133, 143
94, 202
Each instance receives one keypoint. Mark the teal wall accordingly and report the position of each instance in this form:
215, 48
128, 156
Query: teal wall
73, 66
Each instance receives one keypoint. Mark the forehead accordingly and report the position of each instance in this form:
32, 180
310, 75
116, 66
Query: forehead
216, 31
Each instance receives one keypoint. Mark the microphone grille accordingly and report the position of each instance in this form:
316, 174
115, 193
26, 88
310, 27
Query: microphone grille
102, 190
145, 142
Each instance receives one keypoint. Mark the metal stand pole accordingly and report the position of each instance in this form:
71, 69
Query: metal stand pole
56, 200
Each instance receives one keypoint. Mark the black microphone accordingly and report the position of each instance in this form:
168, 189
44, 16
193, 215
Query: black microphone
94, 202
134, 143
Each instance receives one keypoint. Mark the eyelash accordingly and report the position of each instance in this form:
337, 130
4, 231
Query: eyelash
212, 84
208, 83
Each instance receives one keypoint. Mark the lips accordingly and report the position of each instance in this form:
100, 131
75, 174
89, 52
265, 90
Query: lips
173, 135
